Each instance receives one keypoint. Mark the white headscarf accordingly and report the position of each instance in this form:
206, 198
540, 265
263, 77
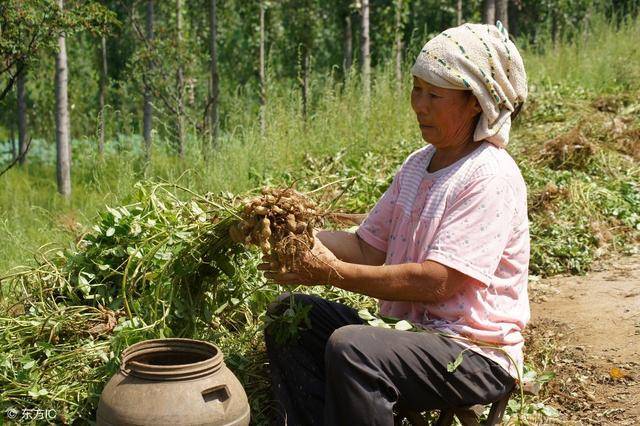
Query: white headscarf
480, 58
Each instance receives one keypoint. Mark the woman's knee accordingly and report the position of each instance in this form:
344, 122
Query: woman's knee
344, 342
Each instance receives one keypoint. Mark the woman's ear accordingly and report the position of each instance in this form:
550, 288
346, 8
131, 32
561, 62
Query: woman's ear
477, 109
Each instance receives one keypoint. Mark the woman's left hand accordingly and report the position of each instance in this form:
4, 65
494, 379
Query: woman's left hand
315, 267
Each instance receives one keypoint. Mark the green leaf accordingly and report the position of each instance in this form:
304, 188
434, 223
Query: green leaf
546, 376
136, 229
195, 208
183, 235
452, 366
403, 325
227, 267
514, 405
34, 392
550, 411
163, 255
115, 213
379, 323
221, 308
365, 315
110, 231
28, 365
133, 251
529, 374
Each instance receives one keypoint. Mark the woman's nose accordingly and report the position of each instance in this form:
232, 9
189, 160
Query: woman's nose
420, 103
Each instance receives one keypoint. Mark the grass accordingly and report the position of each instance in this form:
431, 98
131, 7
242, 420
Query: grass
574, 143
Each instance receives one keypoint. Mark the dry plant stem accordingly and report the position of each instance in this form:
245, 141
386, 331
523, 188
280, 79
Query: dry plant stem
352, 179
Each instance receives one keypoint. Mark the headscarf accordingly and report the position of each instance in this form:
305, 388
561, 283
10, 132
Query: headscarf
480, 58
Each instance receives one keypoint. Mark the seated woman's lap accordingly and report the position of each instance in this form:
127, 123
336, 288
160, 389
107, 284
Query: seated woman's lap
356, 360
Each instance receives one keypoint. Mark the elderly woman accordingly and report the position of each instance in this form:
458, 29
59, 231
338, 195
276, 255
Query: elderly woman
446, 247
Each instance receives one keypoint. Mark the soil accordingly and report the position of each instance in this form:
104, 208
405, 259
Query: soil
586, 329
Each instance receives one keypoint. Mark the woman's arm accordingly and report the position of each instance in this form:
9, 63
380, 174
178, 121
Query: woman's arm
429, 281
426, 282
350, 248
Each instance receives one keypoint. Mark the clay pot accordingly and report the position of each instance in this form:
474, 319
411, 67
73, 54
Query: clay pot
173, 382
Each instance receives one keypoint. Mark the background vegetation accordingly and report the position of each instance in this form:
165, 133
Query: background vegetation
576, 143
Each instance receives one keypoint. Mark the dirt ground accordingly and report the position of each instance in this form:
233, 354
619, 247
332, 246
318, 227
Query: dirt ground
586, 329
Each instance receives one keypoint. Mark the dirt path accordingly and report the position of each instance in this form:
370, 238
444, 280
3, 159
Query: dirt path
593, 323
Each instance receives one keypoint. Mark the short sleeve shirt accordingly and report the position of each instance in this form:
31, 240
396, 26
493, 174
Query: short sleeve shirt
470, 216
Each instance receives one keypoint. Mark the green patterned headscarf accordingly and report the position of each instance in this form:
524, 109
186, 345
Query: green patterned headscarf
480, 58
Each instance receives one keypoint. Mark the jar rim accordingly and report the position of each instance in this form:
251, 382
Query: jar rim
171, 359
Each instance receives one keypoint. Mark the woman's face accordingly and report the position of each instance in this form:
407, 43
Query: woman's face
447, 117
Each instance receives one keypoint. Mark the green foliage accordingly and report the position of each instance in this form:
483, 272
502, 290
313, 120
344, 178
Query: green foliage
287, 324
173, 287
30, 26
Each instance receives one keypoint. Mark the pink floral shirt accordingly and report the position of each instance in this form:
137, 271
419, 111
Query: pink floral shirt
470, 216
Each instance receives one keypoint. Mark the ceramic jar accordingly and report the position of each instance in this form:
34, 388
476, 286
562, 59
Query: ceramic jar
173, 382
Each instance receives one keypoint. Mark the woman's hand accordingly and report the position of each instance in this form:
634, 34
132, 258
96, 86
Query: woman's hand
315, 267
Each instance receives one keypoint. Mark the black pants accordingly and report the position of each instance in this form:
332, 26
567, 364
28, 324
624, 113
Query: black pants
342, 372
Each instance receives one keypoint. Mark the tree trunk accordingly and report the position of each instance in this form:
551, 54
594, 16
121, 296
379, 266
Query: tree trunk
179, 83
148, 112
213, 52
263, 91
347, 60
554, 27
62, 118
305, 81
502, 12
398, 44
585, 25
489, 12
14, 145
366, 56
22, 115
103, 94
459, 12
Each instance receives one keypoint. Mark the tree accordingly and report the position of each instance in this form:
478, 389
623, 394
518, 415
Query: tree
348, 44
489, 12
179, 83
14, 146
148, 99
502, 12
366, 55
261, 73
301, 21
459, 12
63, 146
28, 27
103, 92
22, 117
344, 12
213, 70
398, 42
